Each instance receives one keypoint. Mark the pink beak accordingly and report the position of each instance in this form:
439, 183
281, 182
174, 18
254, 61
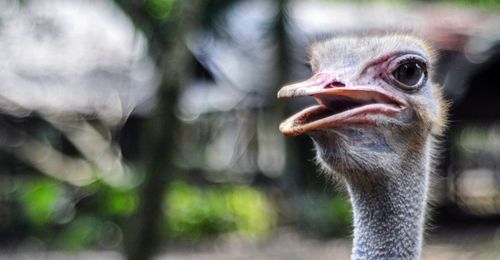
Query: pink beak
366, 100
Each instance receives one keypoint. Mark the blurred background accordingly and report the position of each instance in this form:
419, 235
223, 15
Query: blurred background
138, 129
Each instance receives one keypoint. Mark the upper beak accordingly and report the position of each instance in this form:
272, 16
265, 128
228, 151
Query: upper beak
313, 85
323, 84
331, 94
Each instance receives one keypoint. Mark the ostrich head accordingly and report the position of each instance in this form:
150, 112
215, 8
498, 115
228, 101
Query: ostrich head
376, 104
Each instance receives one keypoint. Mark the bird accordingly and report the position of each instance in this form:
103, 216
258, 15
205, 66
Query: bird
376, 128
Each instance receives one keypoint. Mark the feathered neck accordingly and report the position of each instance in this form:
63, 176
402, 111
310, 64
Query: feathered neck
389, 211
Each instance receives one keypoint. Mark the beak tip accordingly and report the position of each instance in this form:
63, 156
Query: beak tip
282, 93
287, 129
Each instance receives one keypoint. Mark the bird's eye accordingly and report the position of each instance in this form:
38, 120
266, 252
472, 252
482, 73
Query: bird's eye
409, 74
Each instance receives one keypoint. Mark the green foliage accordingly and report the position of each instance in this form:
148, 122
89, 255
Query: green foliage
86, 231
485, 4
61, 217
324, 215
76, 218
53, 214
192, 213
253, 216
119, 202
79, 233
161, 9
40, 200
339, 212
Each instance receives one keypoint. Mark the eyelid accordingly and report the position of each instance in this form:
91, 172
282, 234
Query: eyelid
389, 58
395, 63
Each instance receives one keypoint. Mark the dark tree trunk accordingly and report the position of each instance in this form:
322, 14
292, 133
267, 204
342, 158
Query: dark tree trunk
143, 236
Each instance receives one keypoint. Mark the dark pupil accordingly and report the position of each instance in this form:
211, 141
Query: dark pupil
409, 73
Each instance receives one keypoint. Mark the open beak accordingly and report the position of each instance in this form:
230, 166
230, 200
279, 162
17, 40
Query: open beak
338, 104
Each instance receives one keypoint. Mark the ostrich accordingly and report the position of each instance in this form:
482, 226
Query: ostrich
375, 128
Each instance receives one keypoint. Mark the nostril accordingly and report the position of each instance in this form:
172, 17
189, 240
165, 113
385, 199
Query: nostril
335, 84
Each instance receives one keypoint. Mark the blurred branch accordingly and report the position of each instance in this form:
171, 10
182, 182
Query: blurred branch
55, 164
43, 157
99, 159
95, 148
294, 161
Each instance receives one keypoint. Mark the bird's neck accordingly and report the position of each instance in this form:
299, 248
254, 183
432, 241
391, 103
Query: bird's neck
389, 212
